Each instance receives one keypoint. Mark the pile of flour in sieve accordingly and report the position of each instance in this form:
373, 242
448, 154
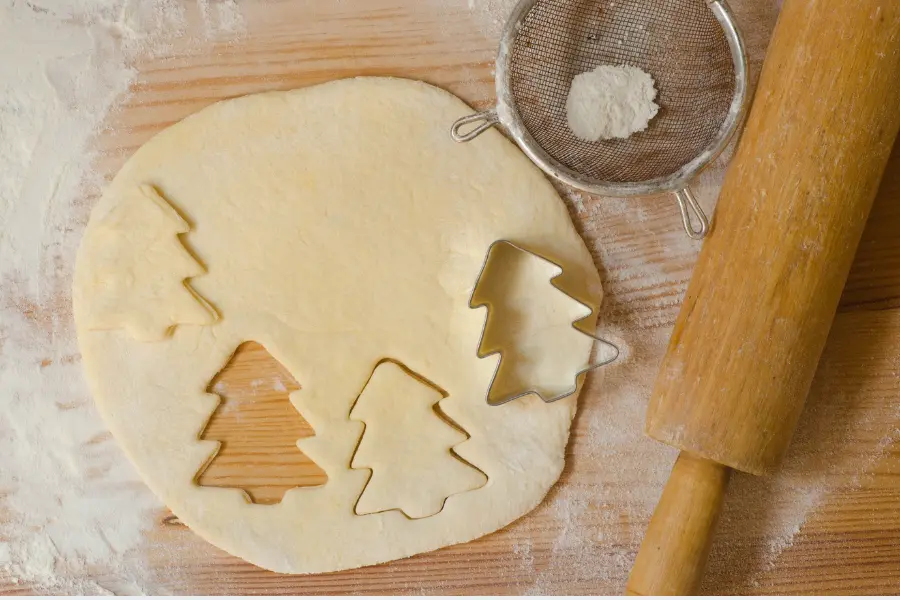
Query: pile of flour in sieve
70, 504
610, 102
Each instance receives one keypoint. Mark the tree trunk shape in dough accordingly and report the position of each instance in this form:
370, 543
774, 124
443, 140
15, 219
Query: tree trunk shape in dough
407, 446
140, 270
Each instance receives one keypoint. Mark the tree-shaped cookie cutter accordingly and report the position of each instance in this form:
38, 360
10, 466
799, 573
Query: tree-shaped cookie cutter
487, 304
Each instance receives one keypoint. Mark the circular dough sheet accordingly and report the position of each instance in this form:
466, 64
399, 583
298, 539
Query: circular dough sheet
339, 226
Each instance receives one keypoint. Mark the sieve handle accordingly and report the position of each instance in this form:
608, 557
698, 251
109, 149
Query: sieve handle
688, 204
487, 119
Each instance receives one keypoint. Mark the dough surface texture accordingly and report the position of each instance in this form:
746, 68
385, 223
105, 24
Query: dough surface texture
339, 226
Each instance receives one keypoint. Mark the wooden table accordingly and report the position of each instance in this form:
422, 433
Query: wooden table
841, 486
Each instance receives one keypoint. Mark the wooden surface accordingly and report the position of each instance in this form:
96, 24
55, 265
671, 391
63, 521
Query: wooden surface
583, 538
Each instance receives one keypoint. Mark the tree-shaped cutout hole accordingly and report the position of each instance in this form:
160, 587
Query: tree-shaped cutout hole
257, 428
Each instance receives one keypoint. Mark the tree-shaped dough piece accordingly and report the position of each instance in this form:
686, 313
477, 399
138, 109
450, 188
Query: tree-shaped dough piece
407, 445
139, 280
258, 429
529, 322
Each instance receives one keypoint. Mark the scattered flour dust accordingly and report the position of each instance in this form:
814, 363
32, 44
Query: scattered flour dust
70, 504
492, 14
610, 102
222, 18
614, 467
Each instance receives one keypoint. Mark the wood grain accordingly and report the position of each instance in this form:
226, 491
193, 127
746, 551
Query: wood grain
258, 428
583, 538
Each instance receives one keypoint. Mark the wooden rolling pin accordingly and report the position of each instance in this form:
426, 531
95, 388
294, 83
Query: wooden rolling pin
767, 282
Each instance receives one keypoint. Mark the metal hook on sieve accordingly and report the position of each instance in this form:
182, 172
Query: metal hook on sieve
688, 204
487, 118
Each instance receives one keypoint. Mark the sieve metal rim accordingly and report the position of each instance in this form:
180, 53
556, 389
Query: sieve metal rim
506, 114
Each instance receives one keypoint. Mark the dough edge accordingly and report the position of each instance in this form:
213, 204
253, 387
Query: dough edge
187, 508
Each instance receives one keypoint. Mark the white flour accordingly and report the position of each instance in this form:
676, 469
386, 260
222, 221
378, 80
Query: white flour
70, 501
610, 102
492, 14
222, 18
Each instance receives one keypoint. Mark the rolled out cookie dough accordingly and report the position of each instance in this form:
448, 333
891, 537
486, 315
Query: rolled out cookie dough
340, 226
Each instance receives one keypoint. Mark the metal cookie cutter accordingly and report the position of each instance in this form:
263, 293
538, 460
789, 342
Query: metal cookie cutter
487, 304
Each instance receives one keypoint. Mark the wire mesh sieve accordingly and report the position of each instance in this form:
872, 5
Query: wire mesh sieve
692, 50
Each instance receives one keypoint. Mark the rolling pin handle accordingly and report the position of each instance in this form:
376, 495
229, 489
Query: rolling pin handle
688, 204
676, 546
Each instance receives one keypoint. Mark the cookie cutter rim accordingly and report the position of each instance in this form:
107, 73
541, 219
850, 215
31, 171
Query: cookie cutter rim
487, 306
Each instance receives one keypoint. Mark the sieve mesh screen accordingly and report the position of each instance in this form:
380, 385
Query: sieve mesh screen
680, 43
